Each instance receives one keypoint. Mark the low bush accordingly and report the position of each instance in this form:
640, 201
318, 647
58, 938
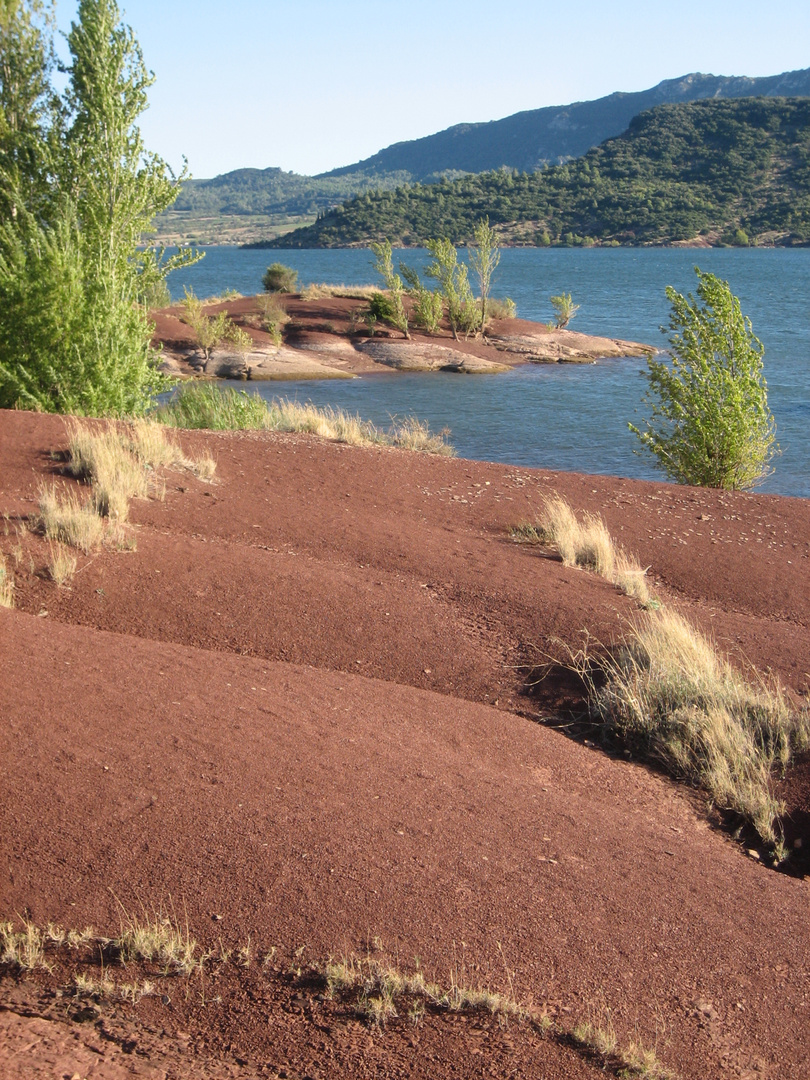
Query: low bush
273, 316
501, 309
280, 279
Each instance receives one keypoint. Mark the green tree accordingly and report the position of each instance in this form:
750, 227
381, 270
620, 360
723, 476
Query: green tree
462, 311
484, 257
710, 421
74, 334
565, 309
27, 104
384, 265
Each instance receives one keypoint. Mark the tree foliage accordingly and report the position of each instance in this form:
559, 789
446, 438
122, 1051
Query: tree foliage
454, 283
74, 333
393, 310
710, 422
484, 256
565, 309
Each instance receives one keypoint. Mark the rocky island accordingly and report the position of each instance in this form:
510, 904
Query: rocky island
322, 335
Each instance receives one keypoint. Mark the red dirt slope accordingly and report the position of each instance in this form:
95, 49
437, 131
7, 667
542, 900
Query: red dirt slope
300, 707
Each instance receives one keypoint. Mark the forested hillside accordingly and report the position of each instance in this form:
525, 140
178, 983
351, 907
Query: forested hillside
249, 204
733, 171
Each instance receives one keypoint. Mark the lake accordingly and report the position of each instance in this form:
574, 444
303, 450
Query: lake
569, 417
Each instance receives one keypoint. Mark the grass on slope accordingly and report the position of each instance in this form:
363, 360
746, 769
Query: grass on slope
668, 692
671, 695
206, 405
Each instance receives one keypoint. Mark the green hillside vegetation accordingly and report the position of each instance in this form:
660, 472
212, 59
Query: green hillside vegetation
730, 171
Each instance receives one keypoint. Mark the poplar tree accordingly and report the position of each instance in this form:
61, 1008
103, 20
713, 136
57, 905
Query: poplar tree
74, 333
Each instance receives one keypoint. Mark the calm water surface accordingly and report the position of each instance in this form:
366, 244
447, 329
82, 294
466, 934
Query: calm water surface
560, 416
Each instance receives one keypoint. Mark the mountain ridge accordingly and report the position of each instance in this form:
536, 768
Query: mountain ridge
251, 204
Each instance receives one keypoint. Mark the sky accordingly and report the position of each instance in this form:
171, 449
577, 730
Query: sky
309, 85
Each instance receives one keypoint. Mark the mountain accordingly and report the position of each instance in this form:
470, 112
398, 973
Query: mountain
251, 204
553, 135
734, 171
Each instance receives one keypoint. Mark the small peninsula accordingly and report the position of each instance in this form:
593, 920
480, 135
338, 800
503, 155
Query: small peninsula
322, 335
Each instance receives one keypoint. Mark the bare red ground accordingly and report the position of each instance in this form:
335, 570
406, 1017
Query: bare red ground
301, 707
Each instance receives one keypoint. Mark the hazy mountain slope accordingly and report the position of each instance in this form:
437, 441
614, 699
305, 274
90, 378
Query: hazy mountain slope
528, 140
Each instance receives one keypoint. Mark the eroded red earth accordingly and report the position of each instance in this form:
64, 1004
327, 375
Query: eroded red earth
299, 714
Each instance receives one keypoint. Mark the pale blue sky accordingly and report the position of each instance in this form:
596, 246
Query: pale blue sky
309, 85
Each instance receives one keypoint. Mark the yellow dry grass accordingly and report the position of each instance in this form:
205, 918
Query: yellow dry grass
350, 292
61, 564
6, 585
669, 691
585, 541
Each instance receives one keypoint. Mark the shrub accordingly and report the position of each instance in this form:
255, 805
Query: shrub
237, 337
280, 279
427, 305
565, 308
212, 330
502, 309
710, 420
274, 316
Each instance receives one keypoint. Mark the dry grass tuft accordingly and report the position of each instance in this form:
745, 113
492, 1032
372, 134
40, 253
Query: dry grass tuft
379, 985
586, 542
6, 585
205, 405
159, 939
65, 518
23, 949
61, 565
120, 462
349, 292
670, 692
105, 460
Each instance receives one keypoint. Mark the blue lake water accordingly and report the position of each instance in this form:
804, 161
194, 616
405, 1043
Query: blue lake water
571, 417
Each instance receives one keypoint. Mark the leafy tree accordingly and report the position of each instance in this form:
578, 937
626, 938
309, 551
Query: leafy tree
74, 333
427, 305
484, 257
462, 311
384, 265
710, 420
27, 104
